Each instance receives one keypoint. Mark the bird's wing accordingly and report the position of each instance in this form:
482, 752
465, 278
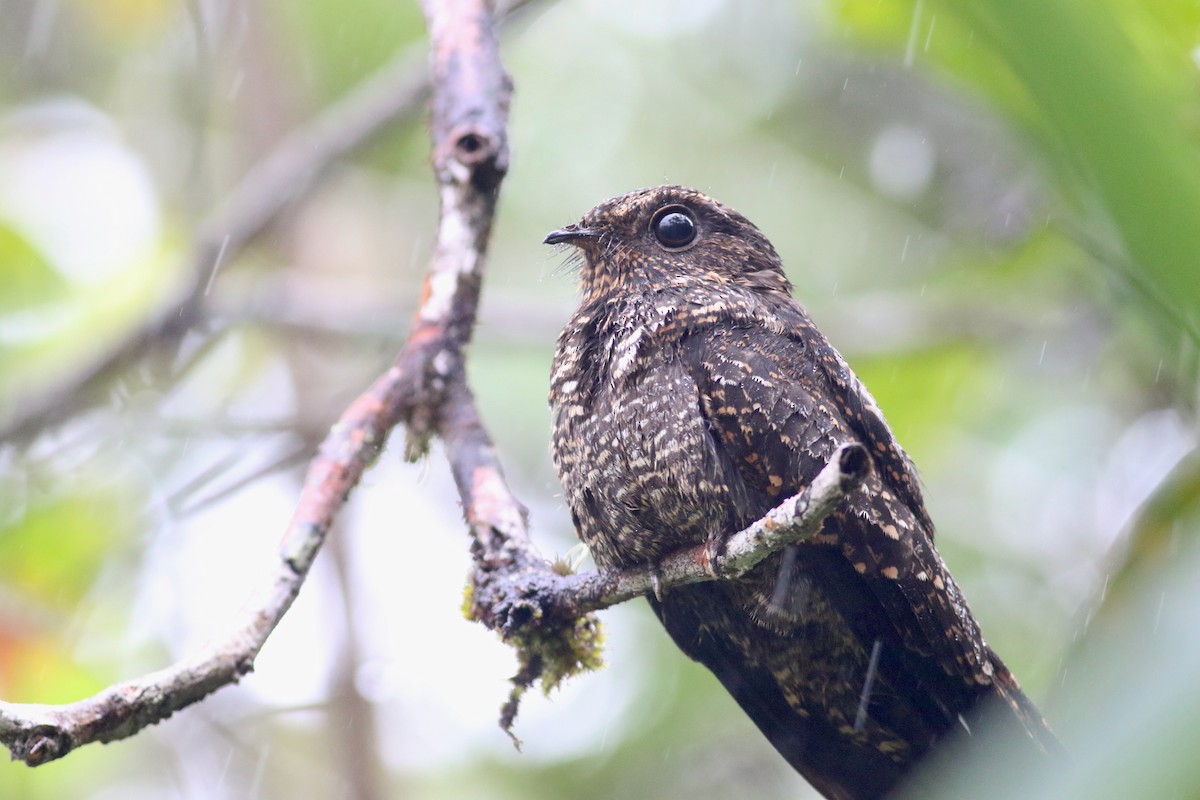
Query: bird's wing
773, 408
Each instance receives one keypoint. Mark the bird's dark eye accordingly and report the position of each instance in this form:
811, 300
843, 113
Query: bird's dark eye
674, 227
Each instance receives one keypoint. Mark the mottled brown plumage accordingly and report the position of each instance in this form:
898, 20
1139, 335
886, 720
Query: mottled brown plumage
691, 393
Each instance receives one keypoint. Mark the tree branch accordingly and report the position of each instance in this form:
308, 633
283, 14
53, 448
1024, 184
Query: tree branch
546, 615
470, 158
794, 520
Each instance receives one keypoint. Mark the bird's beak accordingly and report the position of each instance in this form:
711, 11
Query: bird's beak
569, 234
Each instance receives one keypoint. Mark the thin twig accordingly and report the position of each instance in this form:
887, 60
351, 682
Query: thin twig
36, 734
351, 716
398, 91
514, 588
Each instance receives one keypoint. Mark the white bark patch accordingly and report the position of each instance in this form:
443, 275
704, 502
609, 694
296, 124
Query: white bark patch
455, 249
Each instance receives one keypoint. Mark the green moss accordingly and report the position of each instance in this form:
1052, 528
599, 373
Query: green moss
550, 657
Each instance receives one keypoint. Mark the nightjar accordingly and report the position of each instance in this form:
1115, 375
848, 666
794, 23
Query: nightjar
690, 394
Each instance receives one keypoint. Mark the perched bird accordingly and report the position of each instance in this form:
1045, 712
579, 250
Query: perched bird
690, 394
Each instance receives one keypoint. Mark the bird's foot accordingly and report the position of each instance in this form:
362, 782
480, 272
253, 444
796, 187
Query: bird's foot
656, 583
714, 548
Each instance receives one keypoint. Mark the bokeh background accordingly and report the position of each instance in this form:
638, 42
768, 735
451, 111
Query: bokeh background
991, 207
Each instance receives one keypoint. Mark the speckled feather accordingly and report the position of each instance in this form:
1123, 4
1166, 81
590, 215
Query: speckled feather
691, 393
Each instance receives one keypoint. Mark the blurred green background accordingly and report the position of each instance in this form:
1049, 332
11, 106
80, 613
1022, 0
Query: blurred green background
991, 207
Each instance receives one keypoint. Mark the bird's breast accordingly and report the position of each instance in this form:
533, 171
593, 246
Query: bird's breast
634, 454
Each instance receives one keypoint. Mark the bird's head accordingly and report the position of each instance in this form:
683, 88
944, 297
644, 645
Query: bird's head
670, 236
